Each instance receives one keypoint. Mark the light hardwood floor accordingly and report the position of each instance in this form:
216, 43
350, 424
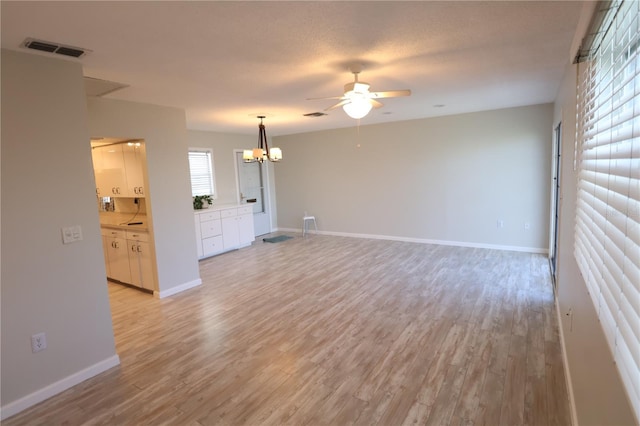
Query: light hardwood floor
331, 330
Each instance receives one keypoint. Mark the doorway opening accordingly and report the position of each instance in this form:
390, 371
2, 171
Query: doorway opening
253, 188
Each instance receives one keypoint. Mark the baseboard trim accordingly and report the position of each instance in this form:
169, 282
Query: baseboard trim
47, 392
567, 371
536, 250
177, 289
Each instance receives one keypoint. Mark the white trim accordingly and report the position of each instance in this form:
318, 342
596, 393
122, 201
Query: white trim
567, 370
177, 289
40, 395
537, 250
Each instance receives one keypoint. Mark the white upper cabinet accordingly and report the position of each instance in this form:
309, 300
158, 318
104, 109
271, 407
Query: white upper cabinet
108, 165
119, 170
134, 157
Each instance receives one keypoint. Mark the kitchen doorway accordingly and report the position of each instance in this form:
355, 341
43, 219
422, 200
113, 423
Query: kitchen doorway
253, 188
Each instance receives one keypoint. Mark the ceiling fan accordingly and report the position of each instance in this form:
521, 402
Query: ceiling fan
357, 100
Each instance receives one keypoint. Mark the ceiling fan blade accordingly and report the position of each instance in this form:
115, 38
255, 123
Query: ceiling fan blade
339, 104
375, 103
330, 97
391, 94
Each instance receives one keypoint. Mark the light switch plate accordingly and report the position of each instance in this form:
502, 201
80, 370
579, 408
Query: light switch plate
71, 234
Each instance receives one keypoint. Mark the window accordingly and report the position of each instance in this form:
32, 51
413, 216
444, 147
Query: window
201, 168
607, 234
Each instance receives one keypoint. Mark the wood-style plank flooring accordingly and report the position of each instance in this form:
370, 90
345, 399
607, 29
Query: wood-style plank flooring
326, 330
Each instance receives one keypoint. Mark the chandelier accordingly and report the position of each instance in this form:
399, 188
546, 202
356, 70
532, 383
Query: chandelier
262, 152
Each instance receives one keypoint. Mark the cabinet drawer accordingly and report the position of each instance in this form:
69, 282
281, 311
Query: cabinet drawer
245, 210
210, 228
211, 246
229, 213
209, 216
109, 232
138, 236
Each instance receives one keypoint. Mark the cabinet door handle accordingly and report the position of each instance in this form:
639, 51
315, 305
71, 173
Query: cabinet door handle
116, 244
139, 251
133, 248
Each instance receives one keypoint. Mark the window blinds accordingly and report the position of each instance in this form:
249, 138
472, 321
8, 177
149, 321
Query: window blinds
607, 234
201, 172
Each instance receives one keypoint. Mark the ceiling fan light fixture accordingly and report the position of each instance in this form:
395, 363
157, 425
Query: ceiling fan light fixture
358, 107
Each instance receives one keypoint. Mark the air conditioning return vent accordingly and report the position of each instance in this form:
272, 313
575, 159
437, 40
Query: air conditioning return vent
50, 47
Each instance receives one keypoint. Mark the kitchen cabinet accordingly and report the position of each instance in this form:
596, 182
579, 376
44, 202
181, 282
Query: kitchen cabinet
210, 234
140, 259
237, 227
223, 228
230, 235
105, 252
108, 166
119, 170
245, 225
117, 255
129, 257
134, 158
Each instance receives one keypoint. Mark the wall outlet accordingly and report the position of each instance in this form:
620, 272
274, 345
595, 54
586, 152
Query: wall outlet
500, 224
38, 342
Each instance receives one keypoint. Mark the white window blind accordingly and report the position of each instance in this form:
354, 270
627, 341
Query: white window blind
200, 166
607, 235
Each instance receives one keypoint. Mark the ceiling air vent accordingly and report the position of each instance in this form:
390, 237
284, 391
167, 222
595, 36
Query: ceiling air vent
315, 114
50, 47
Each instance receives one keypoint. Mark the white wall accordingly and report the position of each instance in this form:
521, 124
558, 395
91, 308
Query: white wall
169, 202
223, 146
447, 179
598, 393
47, 183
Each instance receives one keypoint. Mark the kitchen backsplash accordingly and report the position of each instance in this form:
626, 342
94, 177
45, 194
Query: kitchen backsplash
121, 205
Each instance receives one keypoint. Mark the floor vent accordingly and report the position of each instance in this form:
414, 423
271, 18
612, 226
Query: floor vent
315, 114
47, 46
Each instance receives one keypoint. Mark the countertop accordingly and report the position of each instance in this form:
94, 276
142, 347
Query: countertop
217, 207
119, 221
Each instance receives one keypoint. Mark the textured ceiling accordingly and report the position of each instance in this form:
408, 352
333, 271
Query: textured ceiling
226, 62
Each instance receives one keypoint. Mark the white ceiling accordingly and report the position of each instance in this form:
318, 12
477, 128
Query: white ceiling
226, 62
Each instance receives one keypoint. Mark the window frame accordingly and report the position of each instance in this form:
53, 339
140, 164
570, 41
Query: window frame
607, 232
211, 172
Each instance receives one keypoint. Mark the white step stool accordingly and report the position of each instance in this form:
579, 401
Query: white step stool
305, 225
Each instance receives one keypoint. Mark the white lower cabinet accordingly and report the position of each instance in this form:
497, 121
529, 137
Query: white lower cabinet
128, 257
230, 236
117, 255
246, 233
223, 229
105, 251
140, 259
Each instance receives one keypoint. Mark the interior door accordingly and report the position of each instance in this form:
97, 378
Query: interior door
253, 184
